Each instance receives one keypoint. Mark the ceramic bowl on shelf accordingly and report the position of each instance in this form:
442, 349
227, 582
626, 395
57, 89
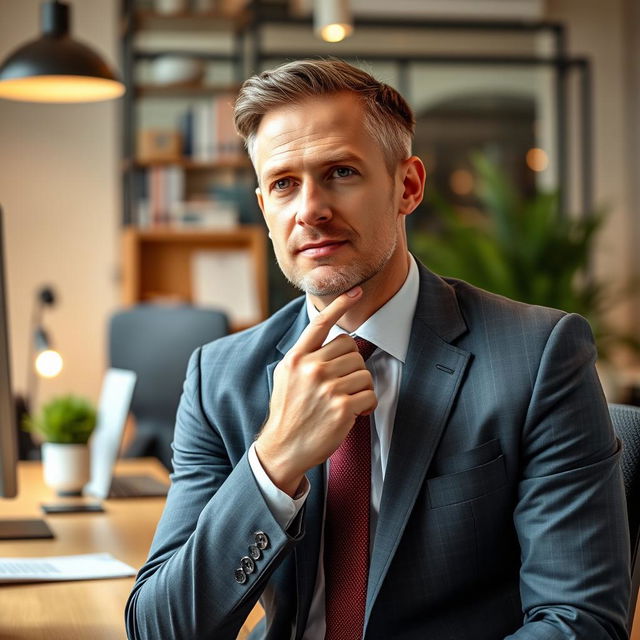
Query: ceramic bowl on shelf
169, 7
176, 70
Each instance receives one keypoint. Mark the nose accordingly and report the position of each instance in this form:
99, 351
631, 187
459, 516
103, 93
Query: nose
313, 208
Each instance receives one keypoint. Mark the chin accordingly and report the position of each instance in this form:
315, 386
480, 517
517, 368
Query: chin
328, 284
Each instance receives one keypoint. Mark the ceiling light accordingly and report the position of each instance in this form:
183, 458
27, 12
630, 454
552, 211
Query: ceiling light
332, 19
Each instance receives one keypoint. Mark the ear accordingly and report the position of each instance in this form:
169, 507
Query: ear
414, 176
260, 199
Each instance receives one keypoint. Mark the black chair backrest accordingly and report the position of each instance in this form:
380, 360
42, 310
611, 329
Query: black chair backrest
156, 341
626, 423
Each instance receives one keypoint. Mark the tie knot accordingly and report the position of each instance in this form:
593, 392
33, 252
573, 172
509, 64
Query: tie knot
365, 347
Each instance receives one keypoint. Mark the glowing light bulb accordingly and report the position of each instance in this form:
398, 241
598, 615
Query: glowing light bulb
335, 32
49, 363
461, 182
537, 159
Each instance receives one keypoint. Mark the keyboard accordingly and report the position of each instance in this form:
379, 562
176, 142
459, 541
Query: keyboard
136, 487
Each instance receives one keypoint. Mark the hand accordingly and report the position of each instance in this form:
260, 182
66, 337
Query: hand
318, 391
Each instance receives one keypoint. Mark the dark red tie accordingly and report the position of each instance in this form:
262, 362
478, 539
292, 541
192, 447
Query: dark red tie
346, 534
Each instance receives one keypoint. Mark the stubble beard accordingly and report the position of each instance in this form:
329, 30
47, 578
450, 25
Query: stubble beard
340, 278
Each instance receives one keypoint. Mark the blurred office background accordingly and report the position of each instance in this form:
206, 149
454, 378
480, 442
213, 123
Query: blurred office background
72, 176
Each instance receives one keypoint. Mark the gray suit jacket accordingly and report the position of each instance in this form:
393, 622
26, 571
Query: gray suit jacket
502, 513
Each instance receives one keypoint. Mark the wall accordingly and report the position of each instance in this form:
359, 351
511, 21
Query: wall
60, 190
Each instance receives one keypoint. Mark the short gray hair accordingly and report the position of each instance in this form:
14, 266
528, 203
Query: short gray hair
388, 118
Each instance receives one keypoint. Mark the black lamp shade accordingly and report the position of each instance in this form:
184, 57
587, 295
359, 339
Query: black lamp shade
56, 68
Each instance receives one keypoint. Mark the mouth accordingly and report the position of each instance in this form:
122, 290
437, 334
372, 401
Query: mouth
322, 248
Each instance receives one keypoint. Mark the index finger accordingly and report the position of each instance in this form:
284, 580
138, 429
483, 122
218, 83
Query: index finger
316, 332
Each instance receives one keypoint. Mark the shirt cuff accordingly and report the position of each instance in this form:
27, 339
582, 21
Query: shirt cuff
283, 507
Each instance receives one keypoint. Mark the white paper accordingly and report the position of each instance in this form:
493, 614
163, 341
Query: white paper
86, 566
226, 280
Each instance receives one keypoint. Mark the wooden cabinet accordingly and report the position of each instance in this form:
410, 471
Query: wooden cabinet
158, 264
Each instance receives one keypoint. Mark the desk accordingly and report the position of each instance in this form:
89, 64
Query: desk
82, 610
85, 609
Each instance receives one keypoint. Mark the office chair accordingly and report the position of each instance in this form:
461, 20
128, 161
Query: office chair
626, 424
156, 341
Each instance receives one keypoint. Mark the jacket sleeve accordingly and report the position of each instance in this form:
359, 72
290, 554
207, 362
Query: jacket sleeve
188, 586
571, 512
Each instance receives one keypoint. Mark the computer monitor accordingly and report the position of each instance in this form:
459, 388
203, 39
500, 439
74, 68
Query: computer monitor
10, 529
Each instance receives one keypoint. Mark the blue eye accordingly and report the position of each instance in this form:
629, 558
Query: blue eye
281, 184
343, 172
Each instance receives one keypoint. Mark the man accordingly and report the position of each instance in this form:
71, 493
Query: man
461, 484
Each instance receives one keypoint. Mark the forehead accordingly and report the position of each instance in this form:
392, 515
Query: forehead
313, 130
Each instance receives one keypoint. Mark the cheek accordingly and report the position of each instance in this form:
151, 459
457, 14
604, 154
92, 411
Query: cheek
279, 232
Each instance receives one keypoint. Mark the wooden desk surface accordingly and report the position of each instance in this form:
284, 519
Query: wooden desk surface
82, 610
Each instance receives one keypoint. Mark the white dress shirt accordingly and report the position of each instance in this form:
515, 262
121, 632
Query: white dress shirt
389, 329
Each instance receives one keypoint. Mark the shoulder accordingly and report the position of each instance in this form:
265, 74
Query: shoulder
475, 301
500, 320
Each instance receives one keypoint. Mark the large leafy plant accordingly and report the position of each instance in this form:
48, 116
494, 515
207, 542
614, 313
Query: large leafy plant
519, 247
66, 419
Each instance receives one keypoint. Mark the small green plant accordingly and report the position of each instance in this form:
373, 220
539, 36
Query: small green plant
66, 419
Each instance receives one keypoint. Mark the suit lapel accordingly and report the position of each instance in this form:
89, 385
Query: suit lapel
431, 380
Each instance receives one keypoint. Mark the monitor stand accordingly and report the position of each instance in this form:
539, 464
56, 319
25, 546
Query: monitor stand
24, 529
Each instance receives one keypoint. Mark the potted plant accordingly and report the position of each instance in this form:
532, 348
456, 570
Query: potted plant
65, 424
523, 248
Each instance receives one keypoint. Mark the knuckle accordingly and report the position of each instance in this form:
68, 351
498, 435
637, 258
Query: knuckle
312, 370
321, 321
327, 388
292, 358
340, 406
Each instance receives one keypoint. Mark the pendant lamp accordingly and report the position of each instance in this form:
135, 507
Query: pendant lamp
56, 68
332, 19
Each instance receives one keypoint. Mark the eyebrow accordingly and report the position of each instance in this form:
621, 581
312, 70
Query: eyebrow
334, 159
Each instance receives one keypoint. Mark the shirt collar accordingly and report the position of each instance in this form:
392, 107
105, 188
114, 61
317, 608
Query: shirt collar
389, 327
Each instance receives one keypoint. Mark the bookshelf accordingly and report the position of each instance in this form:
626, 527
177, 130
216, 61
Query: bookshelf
187, 182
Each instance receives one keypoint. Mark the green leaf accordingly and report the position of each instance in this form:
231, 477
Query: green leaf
66, 419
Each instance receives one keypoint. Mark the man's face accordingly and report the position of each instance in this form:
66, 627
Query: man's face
327, 196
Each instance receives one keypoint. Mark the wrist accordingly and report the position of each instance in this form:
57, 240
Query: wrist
287, 480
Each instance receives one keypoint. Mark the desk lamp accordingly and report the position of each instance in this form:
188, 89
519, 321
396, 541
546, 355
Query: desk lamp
42, 361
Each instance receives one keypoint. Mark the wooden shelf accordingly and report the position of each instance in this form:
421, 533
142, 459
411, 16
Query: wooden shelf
156, 262
190, 21
183, 90
241, 162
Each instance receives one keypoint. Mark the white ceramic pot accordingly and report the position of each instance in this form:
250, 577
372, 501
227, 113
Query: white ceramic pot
66, 467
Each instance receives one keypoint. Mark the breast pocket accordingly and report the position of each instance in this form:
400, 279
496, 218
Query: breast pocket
466, 475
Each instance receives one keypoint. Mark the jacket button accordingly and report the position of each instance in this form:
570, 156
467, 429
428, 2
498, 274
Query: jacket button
262, 541
255, 552
240, 576
248, 565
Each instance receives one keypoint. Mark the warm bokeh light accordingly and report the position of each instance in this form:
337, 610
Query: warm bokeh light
335, 32
537, 159
60, 89
461, 182
49, 363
